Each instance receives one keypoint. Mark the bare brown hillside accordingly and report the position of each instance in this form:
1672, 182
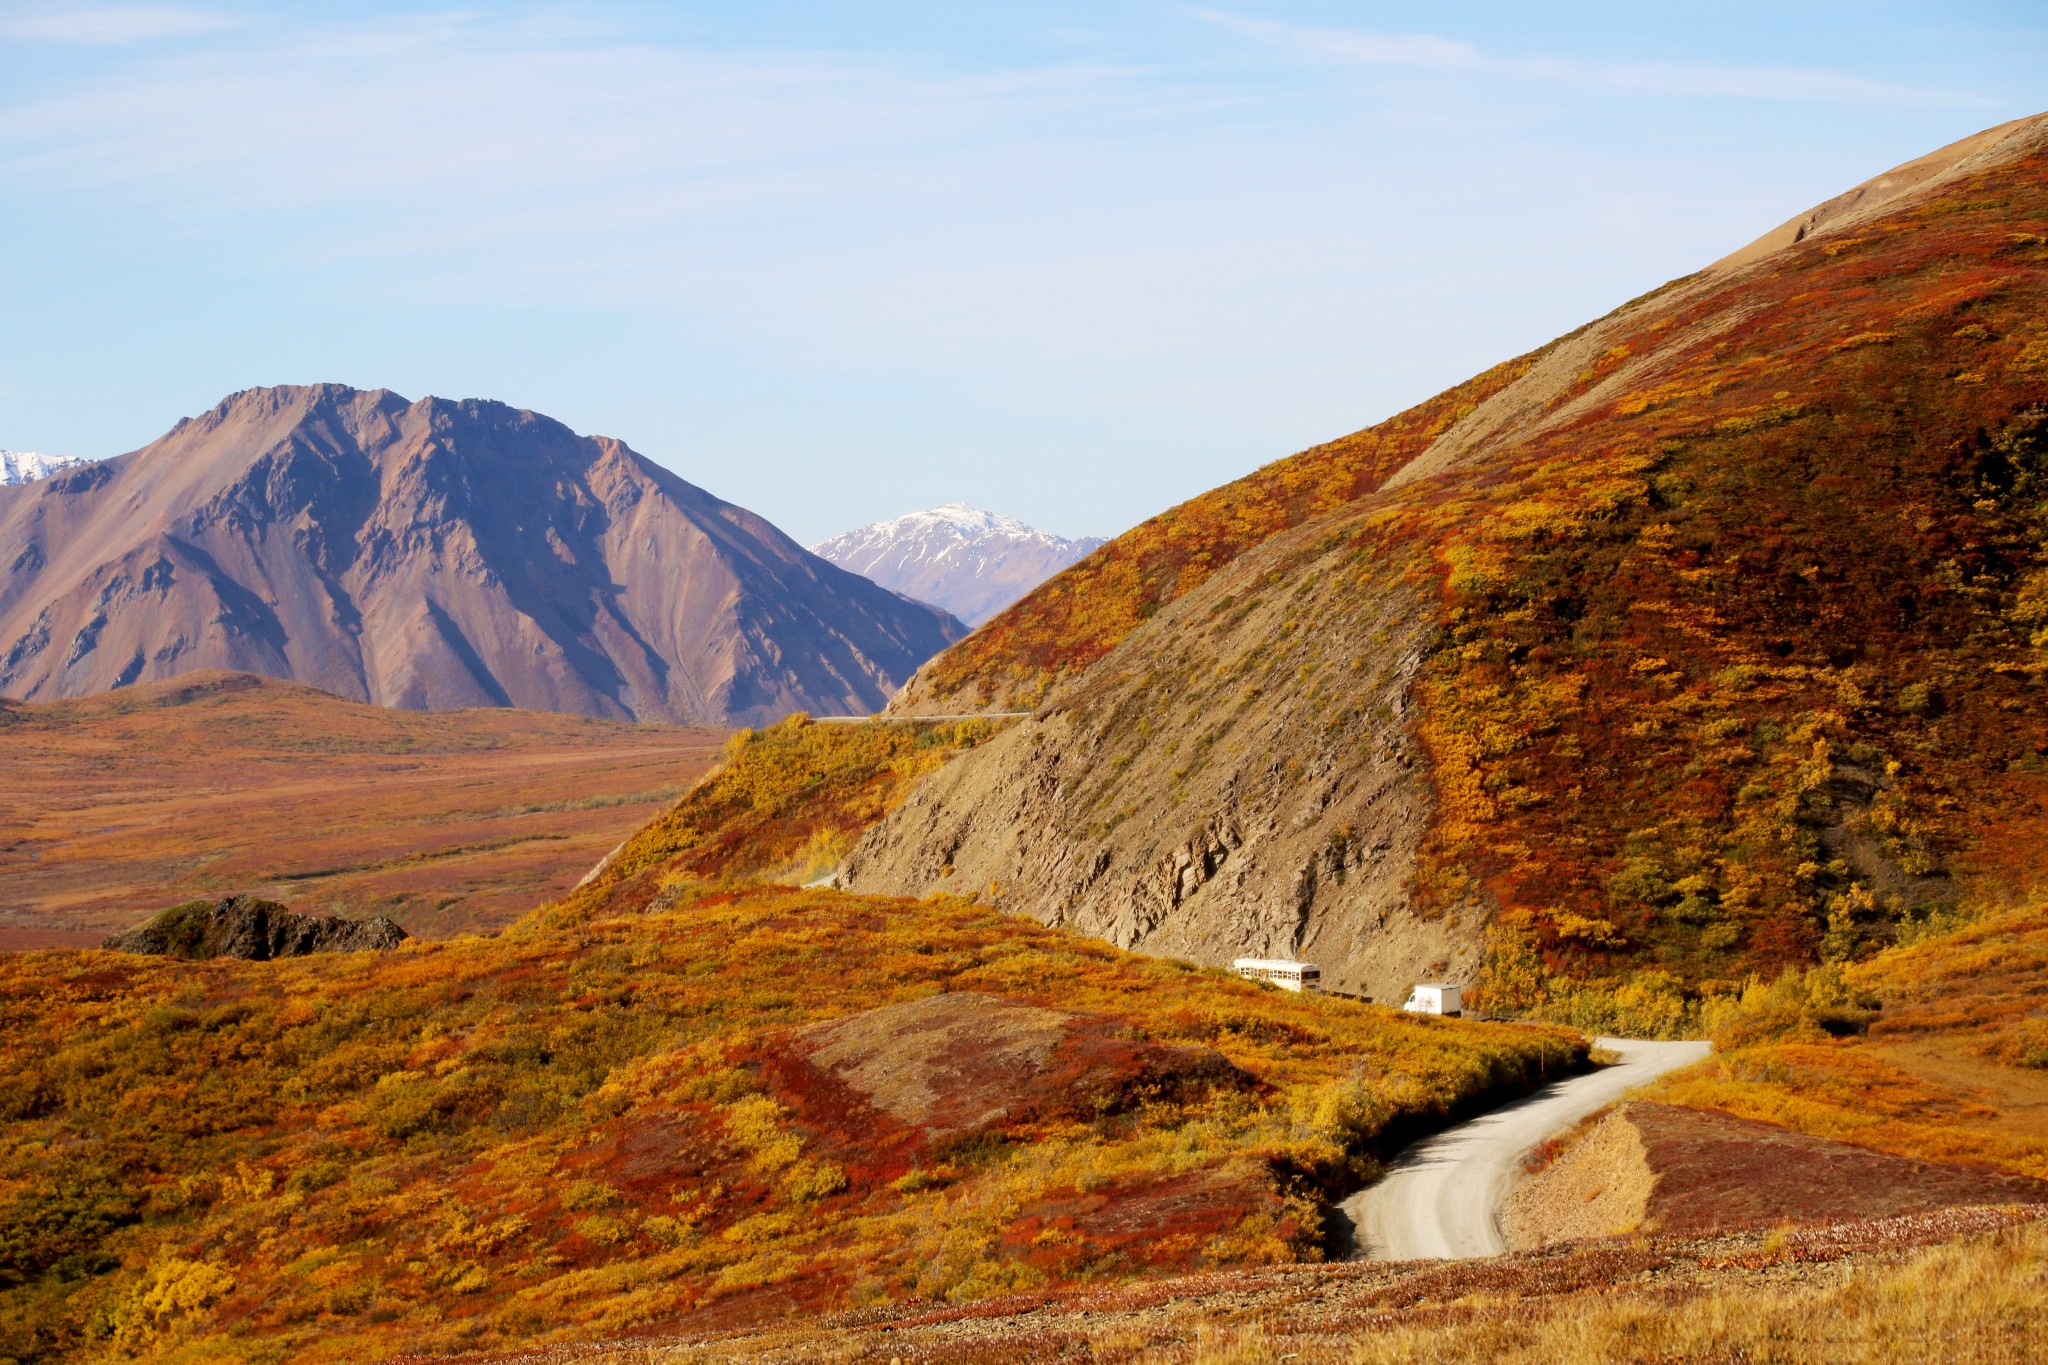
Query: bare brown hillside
433, 555
1199, 801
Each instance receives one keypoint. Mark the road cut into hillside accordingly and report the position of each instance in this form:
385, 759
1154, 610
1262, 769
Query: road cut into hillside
1442, 1197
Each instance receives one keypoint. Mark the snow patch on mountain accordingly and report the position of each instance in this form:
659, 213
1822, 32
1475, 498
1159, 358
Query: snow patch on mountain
26, 466
971, 562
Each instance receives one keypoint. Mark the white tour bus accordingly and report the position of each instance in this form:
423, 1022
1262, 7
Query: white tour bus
1287, 975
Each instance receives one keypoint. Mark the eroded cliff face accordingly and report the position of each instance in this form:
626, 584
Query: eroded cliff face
1238, 779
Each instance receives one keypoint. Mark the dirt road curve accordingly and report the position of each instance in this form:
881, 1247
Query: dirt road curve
1442, 1196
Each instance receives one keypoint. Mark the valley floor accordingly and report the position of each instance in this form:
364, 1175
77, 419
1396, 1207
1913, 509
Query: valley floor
114, 807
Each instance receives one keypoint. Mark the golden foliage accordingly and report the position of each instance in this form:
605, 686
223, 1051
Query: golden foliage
1918, 1050
478, 1142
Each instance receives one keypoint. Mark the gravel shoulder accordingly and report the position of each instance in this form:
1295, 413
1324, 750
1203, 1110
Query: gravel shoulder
1441, 1198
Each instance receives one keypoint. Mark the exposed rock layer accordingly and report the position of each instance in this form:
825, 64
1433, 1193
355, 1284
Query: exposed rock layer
433, 555
254, 930
1241, 782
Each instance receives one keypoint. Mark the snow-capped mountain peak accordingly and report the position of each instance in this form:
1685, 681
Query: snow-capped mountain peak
957, 556
26, 466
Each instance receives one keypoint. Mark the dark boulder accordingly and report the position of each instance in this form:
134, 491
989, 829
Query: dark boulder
254, 929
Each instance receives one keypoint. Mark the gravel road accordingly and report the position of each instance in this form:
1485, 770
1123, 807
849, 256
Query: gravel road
1441, 1197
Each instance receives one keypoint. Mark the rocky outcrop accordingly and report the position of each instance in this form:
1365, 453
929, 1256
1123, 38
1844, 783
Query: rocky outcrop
434, 555
254, 930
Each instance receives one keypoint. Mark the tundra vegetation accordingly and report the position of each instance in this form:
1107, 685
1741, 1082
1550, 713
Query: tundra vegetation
786, 805
1936, 1049
603, 1120
1963, 1285
215, 784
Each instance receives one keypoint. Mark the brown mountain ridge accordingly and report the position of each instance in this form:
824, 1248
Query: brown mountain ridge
433, 555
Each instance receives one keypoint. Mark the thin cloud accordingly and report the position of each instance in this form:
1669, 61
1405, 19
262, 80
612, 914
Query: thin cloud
110, 26
487, 129
1430, 52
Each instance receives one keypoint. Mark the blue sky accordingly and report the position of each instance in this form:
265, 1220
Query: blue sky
834, 262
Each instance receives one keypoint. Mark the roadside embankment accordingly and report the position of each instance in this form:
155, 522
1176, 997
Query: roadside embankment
1695, 1172
1442, 1197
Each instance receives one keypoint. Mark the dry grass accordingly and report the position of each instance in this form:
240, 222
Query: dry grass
1978, 1301
1965, 1287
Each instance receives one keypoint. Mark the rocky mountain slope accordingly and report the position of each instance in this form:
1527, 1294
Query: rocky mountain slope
972, 563
1703, 641
26, 466
433, 555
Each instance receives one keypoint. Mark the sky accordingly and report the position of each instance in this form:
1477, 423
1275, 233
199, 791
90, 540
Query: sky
835, 262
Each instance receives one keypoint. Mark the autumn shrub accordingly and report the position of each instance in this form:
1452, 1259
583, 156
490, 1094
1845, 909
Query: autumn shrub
472, 1143
1810, 1006
171, 1292
2022, 1043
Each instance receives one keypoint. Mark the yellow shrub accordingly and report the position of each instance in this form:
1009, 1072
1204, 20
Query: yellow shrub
173, 1290
809, 1180
754, 1123
2032, 359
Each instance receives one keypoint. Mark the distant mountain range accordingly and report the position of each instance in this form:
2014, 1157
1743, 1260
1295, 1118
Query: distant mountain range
972, 563
434, 555
26, 466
